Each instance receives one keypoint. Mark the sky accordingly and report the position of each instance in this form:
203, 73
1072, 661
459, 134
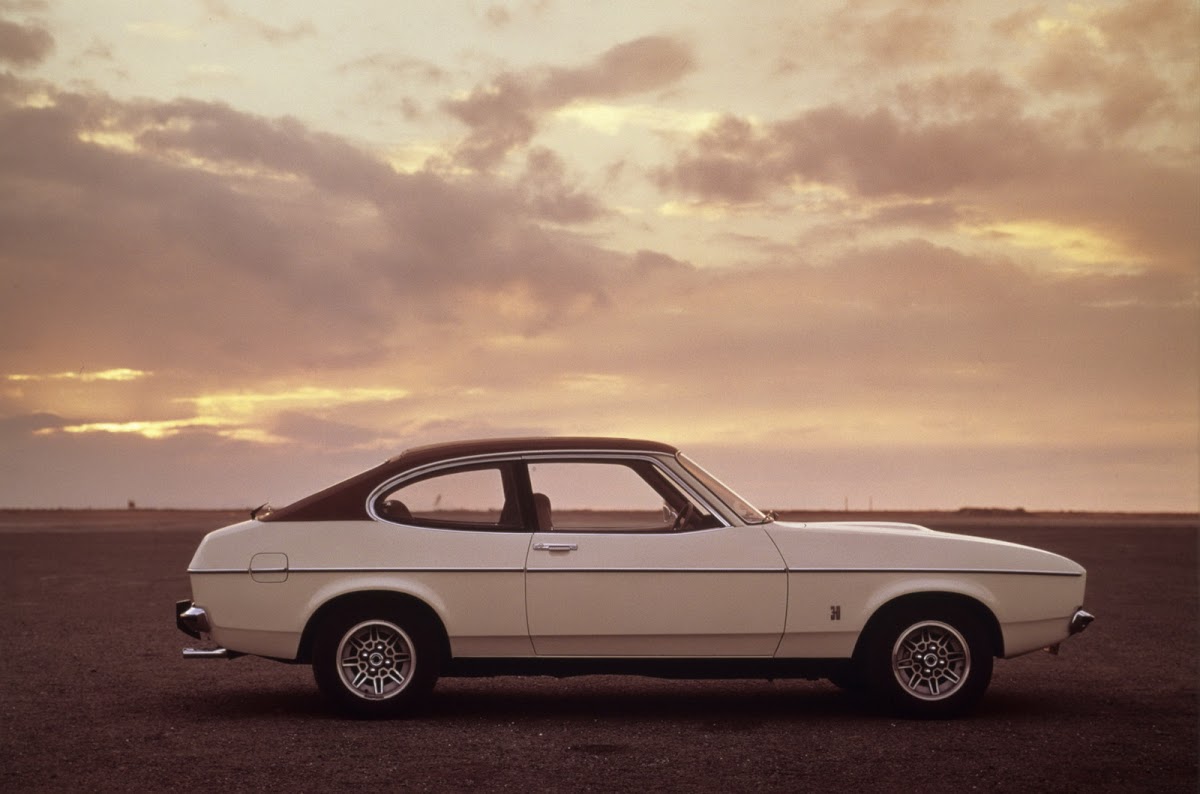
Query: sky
861, 253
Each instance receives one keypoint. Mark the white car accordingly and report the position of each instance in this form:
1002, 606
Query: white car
569, 556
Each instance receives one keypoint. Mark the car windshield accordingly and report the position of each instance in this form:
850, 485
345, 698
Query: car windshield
748, 512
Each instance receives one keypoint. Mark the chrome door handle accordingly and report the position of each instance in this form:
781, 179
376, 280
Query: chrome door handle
555, 547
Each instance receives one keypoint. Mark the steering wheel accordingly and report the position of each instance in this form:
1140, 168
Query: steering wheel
684, 517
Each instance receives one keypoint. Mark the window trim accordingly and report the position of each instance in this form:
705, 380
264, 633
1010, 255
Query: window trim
519, 461
668, 476
512, 480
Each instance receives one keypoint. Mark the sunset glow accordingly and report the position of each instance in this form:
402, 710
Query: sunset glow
917, 255
119, 374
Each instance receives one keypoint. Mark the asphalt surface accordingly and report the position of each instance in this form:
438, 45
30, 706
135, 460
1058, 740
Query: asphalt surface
94, 694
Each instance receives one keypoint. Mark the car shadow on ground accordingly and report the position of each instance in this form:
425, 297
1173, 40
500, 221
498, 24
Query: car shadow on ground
634, 698
720, 705
727, 705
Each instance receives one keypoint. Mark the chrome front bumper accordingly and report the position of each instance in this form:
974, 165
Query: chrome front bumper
1079, 621
193, 621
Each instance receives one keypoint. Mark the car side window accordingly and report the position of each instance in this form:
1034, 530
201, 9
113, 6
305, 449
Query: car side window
480, 497
618, 496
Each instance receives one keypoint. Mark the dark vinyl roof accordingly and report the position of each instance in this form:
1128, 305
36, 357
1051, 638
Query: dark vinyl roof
491, 446
347, 500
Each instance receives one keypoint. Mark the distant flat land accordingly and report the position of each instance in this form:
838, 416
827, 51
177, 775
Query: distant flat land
94, 694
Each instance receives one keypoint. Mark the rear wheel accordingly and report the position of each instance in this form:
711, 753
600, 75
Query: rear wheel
380, 665
928, 662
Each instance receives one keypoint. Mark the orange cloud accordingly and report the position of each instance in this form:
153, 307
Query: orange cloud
119, 374
24, 45
505, 114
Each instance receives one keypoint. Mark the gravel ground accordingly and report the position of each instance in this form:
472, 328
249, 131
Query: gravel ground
95, 696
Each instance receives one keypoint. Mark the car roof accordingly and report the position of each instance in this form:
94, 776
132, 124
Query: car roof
489, 446
346, 501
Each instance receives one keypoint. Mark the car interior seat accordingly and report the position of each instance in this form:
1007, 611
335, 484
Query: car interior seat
541, 503
395, 510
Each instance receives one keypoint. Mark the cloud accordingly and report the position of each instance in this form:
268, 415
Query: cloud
497, 16
505, 113
255, 245
872, 154
648, 263
501, 116
1119, 68
906, 341
927, 214
976, 92
248, 240
320, 433
26, 424
1000, 166
390, 67
118, 374
24, 45
275, 34
637, 66
549, 196
1125, 90
902, 36
189, 469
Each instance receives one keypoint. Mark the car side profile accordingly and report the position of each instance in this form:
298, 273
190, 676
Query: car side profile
569, 556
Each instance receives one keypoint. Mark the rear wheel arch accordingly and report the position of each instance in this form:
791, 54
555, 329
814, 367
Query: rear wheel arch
365, 603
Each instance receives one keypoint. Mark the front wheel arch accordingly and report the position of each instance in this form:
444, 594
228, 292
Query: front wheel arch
933, 601
928, 657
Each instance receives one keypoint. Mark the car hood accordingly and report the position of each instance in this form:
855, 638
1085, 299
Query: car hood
855, 546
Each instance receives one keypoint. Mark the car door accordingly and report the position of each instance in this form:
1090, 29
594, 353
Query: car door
609, 574
457, 535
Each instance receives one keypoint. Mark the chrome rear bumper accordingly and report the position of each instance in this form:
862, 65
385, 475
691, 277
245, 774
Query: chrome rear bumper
1080, 621
193, 621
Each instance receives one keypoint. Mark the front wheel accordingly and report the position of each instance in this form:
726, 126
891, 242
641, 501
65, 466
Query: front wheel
380, 666
929, 663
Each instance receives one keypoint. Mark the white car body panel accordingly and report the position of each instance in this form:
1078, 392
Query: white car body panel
718, 592
474, 581
721, 592
859, 567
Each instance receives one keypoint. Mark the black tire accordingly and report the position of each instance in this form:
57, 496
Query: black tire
378, 664
928, 662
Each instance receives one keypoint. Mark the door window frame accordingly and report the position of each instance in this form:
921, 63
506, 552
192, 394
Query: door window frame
668, 481
514, 481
